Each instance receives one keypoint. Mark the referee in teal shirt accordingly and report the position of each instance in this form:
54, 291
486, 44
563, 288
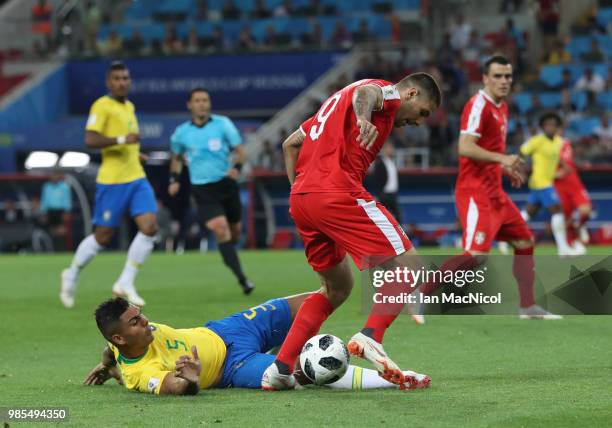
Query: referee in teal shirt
207, 143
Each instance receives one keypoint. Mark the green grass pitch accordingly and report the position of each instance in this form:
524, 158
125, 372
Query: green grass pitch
486, 371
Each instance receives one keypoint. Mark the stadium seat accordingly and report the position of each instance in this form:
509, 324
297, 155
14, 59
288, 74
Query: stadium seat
522, 101
604, 17
585, 126
550, 99
551, 74
605, 100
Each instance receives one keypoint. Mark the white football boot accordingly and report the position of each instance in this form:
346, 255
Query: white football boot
68, 288
272, 380
128, 292
536, 312
415, 380
367, 348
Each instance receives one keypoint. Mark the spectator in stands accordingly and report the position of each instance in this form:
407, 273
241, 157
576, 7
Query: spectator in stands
41, 21
260, 11
315, 37
340, 36
604, 132
473, 51
246, 41
510, 6
91, 21
460, 33
386, 179
202, 10
113, 45
567, 107
594, 54
535, 110
269, 158
313, 8
192, 44
11, 213
548, 21
590, 82
172, 44
284, 9
559, 54
363, 34
566, 80
270, 39
230, 11
135, 45
217, 40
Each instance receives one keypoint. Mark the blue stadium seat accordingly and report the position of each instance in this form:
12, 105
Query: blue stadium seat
584, 127
522, 101
579, 98
406, 4
604, 16
579, 45
605, 100
551, 74
175, 6
550, 99
140, 10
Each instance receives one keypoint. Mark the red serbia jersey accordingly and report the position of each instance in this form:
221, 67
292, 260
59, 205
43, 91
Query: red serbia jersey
571, 180
331, 159
487, 120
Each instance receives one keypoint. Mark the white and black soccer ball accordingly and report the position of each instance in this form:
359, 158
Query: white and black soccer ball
324, 359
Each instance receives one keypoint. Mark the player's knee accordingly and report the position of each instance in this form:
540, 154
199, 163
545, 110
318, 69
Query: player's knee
338, 293
103, 237
149, 229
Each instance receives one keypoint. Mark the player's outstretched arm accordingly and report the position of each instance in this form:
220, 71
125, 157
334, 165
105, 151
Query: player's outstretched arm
291, 151
104, 370
366, 99
95, 140
469, 149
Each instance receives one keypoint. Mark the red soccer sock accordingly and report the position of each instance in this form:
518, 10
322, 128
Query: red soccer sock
312, 314
383, 314
583, 219
523, 270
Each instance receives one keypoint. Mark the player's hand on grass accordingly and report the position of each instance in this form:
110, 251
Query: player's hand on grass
189, 367
132, 138
101, 373
367, 133
174, 188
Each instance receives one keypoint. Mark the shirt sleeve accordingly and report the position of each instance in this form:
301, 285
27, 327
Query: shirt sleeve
149, 379
44, 199
231, 133
305, 126
472, 117
97, 118
176, 145
528, 147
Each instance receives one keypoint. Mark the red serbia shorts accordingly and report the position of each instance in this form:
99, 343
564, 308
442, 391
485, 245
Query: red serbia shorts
484, 219
332, 224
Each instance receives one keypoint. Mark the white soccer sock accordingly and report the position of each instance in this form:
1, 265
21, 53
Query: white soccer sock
87, 250
557, 224
525, 215
139, 251
360, 378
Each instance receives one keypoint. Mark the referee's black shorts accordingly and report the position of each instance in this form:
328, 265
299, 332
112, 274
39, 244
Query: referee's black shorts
219, 198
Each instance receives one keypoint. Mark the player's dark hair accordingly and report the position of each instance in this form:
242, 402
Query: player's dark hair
550, 115
108, 314
426, 84
115, 65
495, 59
195, 90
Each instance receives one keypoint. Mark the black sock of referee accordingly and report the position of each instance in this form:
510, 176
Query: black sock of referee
230, 258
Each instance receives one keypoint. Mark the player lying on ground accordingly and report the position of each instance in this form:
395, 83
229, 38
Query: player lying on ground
327, 159
156, 358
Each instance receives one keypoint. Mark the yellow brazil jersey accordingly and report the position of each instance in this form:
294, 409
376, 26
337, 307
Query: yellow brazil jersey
112, 118
545, 154
146, 373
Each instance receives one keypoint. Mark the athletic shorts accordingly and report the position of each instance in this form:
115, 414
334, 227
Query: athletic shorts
247, 336
544, 197
484, 220
112, 200
332, 224
572, 197
219, 198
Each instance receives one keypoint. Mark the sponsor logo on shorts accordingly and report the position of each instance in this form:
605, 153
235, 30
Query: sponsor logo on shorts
480, 237
152, 385
107, 215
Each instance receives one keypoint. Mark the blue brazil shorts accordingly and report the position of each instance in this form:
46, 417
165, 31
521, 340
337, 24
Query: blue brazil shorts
248, 335
545, 197
113, 199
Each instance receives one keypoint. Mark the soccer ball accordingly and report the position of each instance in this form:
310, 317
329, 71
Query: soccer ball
324, 359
